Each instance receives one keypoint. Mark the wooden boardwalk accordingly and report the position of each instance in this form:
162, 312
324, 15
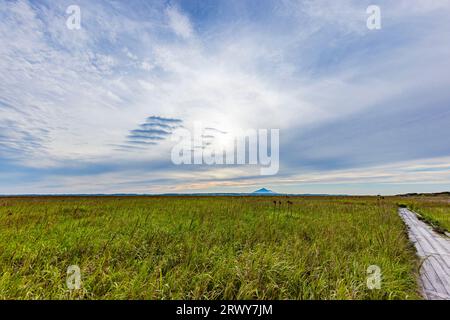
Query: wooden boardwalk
434, 252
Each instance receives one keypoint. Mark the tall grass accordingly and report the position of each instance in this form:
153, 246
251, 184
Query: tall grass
204, 248
433, 210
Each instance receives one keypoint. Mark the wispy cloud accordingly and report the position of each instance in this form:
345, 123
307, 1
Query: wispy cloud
154, 130
344, 98
179, 22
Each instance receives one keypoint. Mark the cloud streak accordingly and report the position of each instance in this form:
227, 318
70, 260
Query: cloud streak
154, 130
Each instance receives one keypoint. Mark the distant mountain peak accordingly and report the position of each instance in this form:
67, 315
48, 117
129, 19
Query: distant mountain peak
263, 190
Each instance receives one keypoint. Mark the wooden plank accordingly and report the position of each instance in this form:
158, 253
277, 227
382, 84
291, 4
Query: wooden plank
432, 272
434, 250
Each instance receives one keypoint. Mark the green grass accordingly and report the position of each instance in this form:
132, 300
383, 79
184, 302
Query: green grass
434, 211
204, 248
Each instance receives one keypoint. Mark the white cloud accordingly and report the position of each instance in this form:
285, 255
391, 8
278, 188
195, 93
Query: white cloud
130, 54
145, 65
179, 22
88, 88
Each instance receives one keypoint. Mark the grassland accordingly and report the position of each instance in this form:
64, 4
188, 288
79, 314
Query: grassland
433, 210
204, 248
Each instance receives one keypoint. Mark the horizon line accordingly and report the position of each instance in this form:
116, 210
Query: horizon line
213, 193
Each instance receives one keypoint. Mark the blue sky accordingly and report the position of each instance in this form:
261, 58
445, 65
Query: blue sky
92, 110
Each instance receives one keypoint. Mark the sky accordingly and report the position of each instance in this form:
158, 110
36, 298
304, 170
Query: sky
96, 109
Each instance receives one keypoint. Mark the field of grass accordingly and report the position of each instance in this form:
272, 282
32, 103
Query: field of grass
204, 248
433, 210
